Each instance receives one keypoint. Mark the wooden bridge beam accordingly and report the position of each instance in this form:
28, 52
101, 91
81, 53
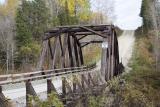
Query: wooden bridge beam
29, 92
3, 101
50, 87
64, 91
70, 52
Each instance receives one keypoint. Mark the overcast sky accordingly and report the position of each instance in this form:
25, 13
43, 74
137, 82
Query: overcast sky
2, 1
126, 12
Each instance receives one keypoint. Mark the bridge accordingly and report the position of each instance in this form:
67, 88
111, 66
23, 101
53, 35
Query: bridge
63, 55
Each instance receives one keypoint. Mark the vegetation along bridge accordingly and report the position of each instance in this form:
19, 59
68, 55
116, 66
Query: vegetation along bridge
62, 52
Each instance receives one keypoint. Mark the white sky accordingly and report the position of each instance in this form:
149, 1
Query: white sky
2, 1
126, 12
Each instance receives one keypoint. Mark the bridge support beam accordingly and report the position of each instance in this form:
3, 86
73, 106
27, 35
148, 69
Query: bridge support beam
29, 92
3, 100
64, 91
50, 87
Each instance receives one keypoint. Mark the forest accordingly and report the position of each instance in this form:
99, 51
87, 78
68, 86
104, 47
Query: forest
23, 23
22, 27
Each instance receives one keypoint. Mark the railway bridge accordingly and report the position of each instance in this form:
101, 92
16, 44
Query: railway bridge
63, 55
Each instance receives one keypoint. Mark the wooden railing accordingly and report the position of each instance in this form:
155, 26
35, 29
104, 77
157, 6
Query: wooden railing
37, 75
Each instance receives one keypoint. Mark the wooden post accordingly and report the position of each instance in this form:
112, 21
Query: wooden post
50, 87
3, 101
64, 91
74, 84
29, 92
82, 81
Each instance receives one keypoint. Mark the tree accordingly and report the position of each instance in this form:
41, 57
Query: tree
7, 44
75, 11
31, 21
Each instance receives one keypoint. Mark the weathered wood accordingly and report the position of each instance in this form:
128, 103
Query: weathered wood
69, 89
112, 55
50, 49
62, 62
43, 54
85, 80
29, 92
81, 55
76, 52
81, 37
82, 81
54, 52
91, 79
74, 84
3, 101
50, 87
93, 31
64, 91
70, 52
73, 51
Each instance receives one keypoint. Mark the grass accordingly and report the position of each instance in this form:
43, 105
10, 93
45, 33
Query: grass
142, 84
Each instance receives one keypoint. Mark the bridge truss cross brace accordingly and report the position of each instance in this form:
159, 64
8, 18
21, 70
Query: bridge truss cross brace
62, 47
